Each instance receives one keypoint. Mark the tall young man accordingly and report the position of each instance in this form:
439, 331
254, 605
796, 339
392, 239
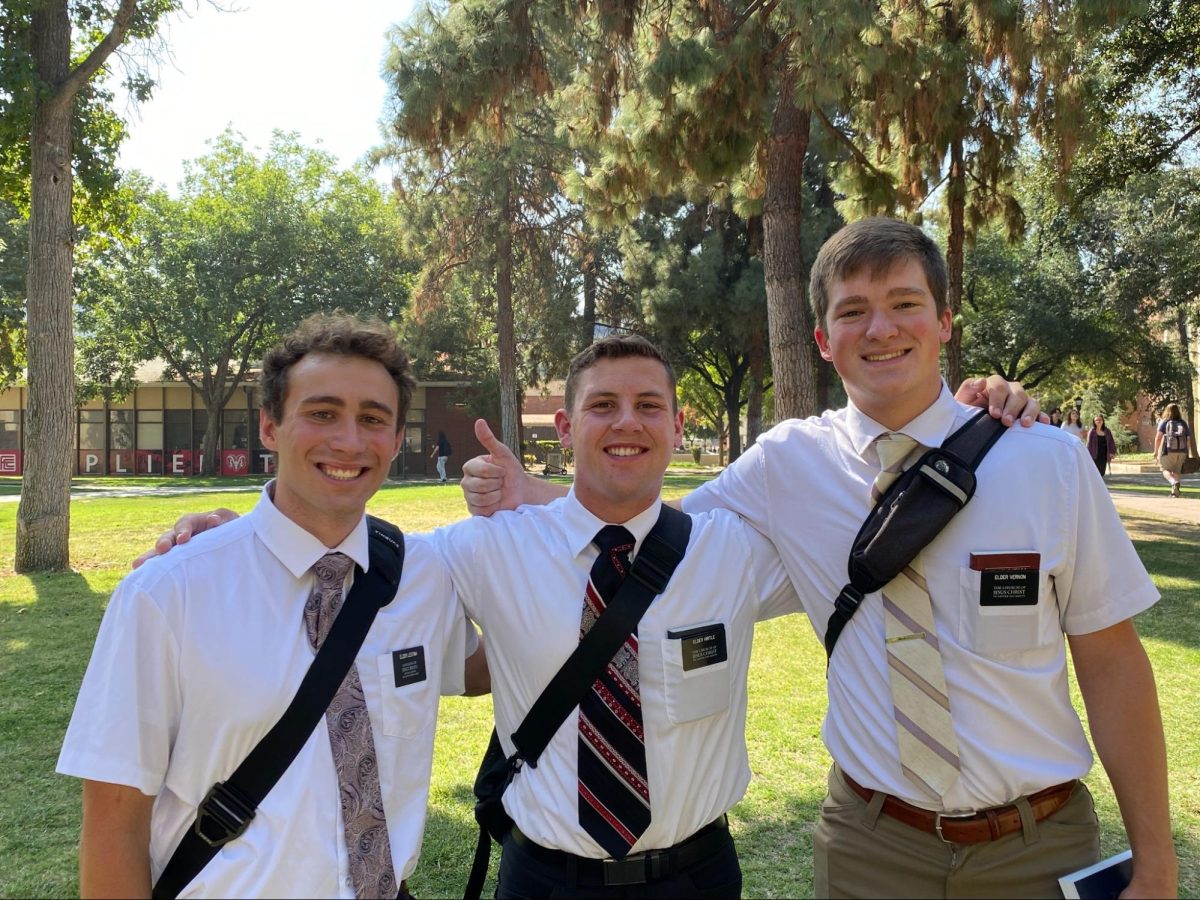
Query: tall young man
199, 654
981, 798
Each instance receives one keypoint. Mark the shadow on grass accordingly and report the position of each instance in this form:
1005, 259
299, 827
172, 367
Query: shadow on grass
47, 644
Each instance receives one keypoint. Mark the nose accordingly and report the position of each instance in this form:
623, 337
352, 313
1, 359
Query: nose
347, 436
880, 325
627, 418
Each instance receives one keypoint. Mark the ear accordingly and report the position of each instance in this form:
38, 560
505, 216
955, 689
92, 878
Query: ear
562, 424
399, 442
678, 428
822, 344
267, 431
945, 325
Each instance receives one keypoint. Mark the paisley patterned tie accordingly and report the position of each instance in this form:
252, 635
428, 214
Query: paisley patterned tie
353, 745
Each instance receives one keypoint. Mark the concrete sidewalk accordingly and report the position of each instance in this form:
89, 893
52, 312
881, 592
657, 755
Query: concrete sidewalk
1157, 503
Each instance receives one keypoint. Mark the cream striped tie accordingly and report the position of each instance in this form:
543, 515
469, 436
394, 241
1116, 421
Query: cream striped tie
920, 702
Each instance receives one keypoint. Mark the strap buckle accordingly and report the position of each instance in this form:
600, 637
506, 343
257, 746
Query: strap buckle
224, 815
848, 600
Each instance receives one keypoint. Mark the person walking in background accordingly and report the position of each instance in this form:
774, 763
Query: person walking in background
1056, 417
1102, 447
1171, 445
442, 451
1073, 425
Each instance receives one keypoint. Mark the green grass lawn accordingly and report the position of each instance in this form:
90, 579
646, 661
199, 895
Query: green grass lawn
48, 623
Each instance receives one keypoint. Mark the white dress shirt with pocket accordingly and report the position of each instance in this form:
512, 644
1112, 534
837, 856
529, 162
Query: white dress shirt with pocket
200, 652
521, 576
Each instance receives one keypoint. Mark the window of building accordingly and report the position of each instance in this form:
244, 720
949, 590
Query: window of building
150, 429
91, 429
236, 430
10, 429
120, 429
177, 429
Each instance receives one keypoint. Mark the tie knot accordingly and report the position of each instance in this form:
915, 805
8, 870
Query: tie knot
611, 536
893, 448
331, 569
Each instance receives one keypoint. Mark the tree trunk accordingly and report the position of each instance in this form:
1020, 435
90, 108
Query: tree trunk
510, 401
733, 409
788, 318
1189, 385
754, 397
43, 517
587, 325
212, 431
956, 201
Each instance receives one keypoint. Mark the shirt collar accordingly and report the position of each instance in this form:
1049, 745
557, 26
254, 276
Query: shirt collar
296, 548
580, 525
930, 428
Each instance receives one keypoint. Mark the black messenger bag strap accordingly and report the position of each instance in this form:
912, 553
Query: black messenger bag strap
231, 804
652, 569
910, 514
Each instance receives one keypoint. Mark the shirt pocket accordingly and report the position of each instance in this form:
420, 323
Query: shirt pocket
696, 691
1005, 630
408, 708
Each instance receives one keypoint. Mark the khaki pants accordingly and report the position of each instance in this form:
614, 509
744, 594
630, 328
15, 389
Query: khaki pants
858, 852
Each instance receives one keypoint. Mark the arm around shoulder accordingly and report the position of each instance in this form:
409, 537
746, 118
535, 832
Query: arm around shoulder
114, 846
1117, 684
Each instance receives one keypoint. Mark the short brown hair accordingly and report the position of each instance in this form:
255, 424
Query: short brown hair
336, 334
1173, 412
618, 346
875, 243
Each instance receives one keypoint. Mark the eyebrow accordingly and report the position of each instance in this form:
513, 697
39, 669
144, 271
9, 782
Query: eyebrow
903, 291
642, 395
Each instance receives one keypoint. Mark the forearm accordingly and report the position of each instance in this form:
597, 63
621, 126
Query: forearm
114, 845
1118, 689
540, 491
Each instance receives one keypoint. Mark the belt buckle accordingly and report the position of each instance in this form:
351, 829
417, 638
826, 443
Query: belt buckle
630, 870
937, 824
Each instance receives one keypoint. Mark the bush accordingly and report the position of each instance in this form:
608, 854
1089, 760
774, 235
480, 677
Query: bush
696, 455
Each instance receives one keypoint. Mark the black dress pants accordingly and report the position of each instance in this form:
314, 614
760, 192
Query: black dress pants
523, 875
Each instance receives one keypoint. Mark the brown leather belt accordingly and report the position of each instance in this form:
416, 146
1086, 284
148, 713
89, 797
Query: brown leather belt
986, 825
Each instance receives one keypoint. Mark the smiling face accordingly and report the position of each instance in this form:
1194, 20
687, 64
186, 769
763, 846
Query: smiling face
336, 438
883, 334
623, 428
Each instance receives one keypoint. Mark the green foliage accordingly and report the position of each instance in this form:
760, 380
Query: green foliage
96, 128
1146, 108
209, 280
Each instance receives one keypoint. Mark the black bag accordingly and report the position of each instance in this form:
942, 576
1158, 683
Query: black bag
231, 804
910, 514
661, 552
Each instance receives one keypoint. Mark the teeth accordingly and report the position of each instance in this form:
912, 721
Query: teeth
342, 474
879, 357
624, 451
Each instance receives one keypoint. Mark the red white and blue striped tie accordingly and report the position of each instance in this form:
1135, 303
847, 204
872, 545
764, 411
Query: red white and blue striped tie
614, 795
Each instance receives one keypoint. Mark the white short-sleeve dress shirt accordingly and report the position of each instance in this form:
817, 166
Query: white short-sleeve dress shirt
806, 485
521, 576
200, 652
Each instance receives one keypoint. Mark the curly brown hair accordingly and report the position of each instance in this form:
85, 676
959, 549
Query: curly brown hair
337, 334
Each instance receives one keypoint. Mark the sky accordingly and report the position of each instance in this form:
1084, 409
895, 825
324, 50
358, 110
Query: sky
310, 66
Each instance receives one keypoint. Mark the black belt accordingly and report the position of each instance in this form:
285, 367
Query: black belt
639, 868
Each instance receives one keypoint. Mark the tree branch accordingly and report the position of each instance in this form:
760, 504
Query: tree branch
83, 72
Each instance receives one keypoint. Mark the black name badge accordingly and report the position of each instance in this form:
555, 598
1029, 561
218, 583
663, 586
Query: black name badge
1008, 587
701, 646
409, 665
